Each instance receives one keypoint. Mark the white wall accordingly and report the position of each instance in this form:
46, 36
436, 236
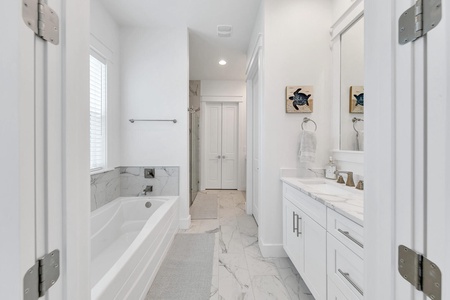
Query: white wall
339, 7
105, 39
296, 52
155, 85
231, 88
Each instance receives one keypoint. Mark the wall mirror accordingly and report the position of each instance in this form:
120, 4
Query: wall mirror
352, 87
347, 48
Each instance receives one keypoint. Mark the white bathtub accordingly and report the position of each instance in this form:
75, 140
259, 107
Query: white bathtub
128, 243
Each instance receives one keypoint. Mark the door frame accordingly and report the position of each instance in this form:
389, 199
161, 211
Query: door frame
255, 66
74, 207
396, 156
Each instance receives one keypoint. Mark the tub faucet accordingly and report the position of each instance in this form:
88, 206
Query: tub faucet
349, 177
148, 188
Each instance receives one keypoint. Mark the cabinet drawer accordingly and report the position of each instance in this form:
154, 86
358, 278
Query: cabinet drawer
344, 268
334, 293
346, 231
313, 208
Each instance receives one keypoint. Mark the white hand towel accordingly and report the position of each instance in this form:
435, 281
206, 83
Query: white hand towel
307, 146
360, 140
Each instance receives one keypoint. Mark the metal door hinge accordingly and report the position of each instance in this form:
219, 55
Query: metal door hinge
418, 20
41, 19
420, 272
42, 276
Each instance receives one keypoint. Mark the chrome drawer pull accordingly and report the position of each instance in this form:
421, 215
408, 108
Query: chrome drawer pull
347, 234
347, 276
298, 225
293, 222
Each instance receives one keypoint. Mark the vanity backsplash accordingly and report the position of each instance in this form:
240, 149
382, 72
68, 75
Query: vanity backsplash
130, 182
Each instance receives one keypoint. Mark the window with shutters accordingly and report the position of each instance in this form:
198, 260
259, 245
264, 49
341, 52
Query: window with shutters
97, 112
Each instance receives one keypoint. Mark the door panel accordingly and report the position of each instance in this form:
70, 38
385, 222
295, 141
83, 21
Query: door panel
47, 148
229, 145
256, 145
213, 145
221, 140
437, 64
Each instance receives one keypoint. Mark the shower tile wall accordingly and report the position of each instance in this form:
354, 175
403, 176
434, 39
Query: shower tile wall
130, 181
105, 187
165, 183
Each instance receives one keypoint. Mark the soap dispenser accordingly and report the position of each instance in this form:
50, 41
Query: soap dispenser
330, 170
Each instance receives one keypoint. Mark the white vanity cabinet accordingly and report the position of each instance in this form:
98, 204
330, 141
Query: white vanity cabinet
326, 247
345, 250
304, 239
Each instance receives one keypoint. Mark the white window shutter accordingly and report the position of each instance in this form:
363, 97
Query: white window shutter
97, 113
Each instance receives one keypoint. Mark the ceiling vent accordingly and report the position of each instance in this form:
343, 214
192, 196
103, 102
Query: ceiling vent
224, 30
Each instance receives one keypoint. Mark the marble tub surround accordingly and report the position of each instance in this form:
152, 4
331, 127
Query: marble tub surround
133, 182
348, 201
105, 187
130, 181
239, 269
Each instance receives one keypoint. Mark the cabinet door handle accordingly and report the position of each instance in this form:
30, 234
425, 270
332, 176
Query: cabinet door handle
347, 276
293, 221
218, 156
298, 225
347, 235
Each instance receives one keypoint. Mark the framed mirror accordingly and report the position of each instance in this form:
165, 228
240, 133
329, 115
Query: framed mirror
352, 87
347, 46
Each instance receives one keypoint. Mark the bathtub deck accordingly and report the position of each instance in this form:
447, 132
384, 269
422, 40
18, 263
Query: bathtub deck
106, 259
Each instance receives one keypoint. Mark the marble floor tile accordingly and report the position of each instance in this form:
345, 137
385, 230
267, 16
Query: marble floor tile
239, 269
234, 277
257, 264
202, 226
214, 295
269, 287
230, 239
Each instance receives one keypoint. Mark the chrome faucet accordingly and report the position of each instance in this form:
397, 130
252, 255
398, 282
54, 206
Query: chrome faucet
349, 178
148, 188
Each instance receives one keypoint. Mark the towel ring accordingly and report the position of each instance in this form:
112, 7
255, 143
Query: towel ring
306, 120
356, 120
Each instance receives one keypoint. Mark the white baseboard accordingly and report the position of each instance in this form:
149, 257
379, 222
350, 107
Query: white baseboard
185, 223
271, 250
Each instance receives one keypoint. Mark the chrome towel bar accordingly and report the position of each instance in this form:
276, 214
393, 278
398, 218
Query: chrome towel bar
151, 120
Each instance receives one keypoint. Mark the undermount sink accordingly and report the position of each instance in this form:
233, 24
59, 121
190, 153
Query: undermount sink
324, 187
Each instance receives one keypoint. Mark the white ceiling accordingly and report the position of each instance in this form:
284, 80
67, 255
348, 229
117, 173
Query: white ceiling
202, 18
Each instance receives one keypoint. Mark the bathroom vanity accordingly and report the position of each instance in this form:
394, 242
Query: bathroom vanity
323, 236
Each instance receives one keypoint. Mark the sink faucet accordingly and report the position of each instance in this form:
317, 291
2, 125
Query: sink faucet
148, 188
349, 177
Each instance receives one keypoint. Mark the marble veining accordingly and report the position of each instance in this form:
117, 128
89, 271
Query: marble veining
239, 269
130, 181
350, 205
105, 187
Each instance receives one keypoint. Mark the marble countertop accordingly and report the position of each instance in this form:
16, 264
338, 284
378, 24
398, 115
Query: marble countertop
349, 204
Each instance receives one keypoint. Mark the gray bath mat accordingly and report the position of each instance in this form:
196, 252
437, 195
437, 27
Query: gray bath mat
187, 269
205, 206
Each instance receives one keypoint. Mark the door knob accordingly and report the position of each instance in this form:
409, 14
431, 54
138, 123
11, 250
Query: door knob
223, 156
218, 156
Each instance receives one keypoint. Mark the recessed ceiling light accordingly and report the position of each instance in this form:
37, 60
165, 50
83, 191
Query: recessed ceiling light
222, 62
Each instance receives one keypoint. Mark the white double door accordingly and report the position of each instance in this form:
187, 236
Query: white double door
221, 136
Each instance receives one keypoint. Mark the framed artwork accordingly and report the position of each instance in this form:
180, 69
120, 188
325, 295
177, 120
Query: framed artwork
299, 99
356, 99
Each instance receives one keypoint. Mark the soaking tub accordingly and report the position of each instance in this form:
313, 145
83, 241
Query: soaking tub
129, 239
